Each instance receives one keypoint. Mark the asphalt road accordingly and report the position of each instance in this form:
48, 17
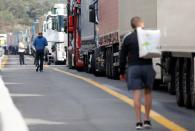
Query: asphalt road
54, 101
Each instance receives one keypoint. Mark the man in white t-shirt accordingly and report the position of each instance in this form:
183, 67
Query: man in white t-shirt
21, 51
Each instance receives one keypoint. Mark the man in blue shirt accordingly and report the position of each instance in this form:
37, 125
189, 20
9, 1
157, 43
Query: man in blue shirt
39, 43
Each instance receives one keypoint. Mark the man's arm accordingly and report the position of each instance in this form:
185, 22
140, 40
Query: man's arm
123, 56
34, 42
46, 43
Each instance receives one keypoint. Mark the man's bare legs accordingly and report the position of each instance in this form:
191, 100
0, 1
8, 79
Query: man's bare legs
148, 103
137, 94
137, 104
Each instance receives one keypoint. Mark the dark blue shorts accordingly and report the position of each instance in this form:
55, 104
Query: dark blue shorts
140, 77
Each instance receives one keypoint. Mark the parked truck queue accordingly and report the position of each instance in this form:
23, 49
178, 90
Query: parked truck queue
87, 35
96, 29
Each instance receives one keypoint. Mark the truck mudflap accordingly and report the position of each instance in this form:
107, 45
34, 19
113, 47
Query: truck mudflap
79, 64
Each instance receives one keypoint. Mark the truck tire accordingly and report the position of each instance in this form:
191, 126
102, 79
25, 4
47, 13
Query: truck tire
93, 65
111, 71
187, 83
45, 57
171, 85
49, 62
192, 90
179, 82
93, 70
108, 63
70, 60
115, 73
193, 101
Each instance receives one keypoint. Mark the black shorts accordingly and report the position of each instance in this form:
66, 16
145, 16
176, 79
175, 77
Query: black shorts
140, 77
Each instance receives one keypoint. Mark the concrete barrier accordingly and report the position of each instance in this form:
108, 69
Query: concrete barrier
10, 117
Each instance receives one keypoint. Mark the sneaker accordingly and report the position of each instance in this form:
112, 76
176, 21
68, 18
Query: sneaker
139, 126
37, 69
147, 124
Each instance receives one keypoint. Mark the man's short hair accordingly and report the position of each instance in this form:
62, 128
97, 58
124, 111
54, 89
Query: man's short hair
135, 21
40, 33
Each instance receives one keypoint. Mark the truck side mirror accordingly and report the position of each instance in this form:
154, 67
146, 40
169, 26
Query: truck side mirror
65, 25
92, 15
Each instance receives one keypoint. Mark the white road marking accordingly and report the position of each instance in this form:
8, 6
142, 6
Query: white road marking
26, 58
20, 68
31, 121
25, 95
13, 83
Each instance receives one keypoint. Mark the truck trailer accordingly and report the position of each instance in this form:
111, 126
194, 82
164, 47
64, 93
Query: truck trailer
111, 22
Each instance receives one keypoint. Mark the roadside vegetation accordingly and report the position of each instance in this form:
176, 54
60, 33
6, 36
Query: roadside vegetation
16, 15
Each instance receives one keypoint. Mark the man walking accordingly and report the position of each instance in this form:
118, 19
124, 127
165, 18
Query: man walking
140, 74
21, 51
39, 43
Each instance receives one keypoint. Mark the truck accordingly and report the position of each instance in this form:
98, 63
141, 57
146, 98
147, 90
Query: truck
99, 50
57, 38
3, 42
75, 59
3, 39
80, 35
13, 39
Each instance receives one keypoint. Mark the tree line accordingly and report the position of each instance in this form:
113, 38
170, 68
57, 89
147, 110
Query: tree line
16, 15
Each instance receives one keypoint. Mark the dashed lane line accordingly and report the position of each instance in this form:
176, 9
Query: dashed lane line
154, 115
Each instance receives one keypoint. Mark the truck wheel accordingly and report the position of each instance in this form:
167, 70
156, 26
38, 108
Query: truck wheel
193, 101
93, 70
192, 90
187, 72
171, 85
110, 63
56, 62
93, 65
49, 62
107, 63
70, 60
178, 83
46, 58
115, 73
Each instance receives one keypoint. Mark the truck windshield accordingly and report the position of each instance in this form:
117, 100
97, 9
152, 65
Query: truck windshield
61, 23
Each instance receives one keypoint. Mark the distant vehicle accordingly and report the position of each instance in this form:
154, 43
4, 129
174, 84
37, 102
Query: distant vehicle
13, 39
3, 43
1, 52
3, 39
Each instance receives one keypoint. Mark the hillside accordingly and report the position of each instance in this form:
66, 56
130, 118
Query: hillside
16, 15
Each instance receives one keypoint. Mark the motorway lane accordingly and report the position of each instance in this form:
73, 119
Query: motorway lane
53, 101
163, 103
